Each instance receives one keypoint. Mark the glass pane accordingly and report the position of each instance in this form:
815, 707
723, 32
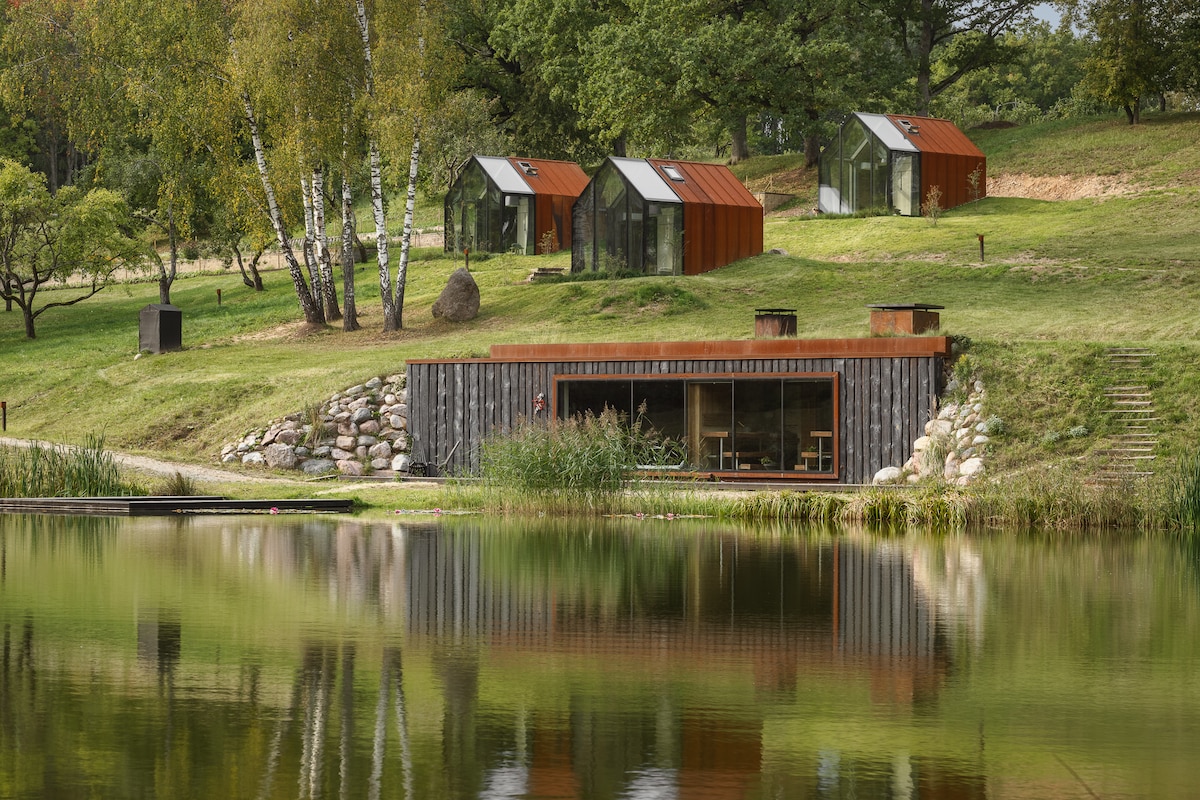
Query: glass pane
710, 424
756, 424
580, 397
854, 150
808, 430
902, 185
637, 228
660, 409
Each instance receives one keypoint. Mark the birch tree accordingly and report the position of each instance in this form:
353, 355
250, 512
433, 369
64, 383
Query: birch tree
391, 317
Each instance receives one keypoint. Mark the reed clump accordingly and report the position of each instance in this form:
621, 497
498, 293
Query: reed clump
1182, 501
562, 466
57, 471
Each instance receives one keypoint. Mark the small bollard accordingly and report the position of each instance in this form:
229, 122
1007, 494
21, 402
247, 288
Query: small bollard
218, 297
467, 258
980, 235
4, 415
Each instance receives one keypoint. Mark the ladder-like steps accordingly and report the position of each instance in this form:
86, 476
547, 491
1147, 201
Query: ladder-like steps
1131, 450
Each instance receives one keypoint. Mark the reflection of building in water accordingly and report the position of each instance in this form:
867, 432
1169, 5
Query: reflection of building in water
883, 619
851, 610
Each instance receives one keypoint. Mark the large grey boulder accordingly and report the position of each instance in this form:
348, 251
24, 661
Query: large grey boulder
280, 456
318, 466
459, 301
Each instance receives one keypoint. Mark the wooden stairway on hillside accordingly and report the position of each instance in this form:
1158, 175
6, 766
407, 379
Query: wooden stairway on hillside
1131, 448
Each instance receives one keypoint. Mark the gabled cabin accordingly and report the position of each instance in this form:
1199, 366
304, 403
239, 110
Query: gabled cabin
522, 205
664, 217
835, 410
884, 161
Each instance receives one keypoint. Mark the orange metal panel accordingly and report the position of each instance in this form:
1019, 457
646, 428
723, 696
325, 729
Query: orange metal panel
936, 136
722, 221
553, 177
556, 186
916, 346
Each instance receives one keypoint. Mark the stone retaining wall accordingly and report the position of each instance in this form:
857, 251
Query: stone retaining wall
359, 431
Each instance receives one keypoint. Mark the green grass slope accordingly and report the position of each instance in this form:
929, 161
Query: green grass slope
1062, 280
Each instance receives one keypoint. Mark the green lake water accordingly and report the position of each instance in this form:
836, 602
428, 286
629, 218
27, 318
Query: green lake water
460, 657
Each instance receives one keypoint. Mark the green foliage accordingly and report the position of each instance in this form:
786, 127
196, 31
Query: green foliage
579, 463
1183, 496
38, 471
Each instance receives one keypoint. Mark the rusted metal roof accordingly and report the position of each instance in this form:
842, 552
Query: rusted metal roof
932, 135
545, 176
712, 184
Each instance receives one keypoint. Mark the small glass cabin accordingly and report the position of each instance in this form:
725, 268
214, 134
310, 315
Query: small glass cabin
890, 163
512, 205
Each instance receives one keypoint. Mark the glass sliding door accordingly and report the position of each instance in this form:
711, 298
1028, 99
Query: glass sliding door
710, 423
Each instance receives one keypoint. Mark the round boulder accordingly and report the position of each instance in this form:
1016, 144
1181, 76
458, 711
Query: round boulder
459, 301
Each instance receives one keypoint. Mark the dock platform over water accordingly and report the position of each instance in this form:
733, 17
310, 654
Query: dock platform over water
163, 506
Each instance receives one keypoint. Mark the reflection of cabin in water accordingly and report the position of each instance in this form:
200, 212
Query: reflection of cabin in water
664, 218
788, 409
522, 205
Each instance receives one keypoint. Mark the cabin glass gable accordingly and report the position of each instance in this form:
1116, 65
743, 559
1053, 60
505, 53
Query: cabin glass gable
618, 228
489, 209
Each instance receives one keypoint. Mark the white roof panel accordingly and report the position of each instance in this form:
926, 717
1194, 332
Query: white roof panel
887, 132
642, 175
504, 174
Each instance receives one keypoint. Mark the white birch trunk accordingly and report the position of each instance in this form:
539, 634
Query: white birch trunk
312, 312
411, 198
310, 264
381, 244
350, 316
321, 246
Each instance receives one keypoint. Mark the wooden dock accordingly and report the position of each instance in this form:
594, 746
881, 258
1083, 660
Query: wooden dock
165, 506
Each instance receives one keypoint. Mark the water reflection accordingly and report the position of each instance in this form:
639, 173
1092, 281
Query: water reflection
275, 658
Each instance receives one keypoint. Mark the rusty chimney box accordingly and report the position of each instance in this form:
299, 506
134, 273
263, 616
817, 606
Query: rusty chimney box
889, 319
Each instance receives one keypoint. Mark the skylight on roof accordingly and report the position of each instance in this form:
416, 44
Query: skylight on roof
672, 172
527, 168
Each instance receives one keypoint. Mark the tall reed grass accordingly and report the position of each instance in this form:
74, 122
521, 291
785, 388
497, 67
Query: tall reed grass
38, 471
1183, 497
561, 466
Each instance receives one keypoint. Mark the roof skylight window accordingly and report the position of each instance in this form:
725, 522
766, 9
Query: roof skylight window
672, 172
527, 168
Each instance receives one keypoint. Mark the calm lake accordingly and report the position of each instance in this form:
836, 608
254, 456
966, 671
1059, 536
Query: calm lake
461, 657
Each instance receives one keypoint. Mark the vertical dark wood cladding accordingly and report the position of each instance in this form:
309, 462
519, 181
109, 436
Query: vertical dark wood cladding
883, 403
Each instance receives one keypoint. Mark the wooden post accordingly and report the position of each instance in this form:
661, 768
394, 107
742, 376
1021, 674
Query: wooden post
980, 235
4, 415
218, 297
467, 258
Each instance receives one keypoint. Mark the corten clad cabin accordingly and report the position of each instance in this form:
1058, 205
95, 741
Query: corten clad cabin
835, 410
500, 205
890, 162
663, 217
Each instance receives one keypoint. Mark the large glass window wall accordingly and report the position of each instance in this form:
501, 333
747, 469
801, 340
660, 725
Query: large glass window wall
721, 424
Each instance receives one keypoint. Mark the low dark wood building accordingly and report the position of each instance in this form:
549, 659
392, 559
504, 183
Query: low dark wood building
835, 410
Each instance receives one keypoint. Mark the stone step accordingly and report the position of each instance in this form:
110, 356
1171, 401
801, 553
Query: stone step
1127, 394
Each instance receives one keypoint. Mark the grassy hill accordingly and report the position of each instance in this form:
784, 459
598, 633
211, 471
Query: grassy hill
1062, 280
